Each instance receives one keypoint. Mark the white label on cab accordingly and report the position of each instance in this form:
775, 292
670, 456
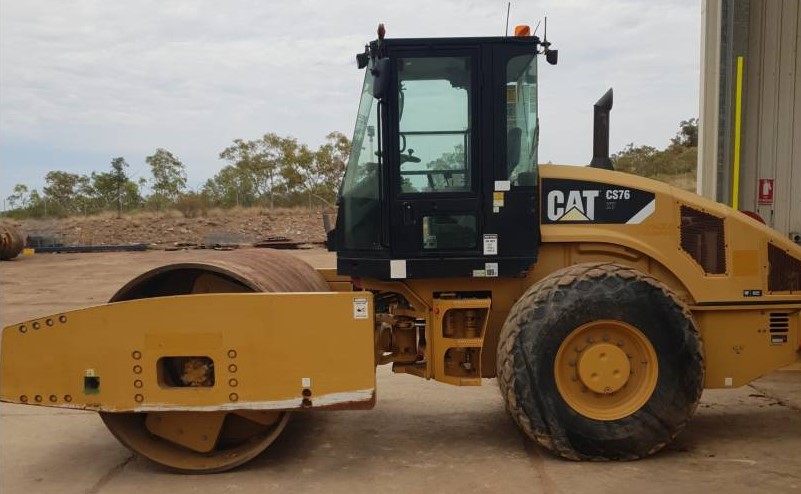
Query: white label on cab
490, 245
503, 185
397, 268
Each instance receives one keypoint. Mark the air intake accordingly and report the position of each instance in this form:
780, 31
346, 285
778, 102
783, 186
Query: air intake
702, 237
784, 273
779, 322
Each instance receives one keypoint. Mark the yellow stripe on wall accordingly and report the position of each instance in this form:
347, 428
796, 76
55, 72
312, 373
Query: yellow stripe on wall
738, 110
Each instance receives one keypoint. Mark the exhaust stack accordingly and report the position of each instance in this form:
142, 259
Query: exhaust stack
600, 132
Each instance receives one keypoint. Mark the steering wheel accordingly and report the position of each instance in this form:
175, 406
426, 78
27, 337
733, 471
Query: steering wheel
408, 158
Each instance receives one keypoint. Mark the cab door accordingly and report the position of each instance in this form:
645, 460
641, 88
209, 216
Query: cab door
435, 189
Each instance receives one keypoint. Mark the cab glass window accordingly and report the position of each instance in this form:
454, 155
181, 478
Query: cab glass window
522, 125
359, 196
434, 96
449, 232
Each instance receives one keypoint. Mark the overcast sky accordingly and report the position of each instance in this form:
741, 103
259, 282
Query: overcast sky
83, 81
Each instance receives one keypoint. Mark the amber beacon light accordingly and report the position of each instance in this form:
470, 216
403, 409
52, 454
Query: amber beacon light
522, 30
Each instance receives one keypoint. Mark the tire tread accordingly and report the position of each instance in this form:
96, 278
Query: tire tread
582, 277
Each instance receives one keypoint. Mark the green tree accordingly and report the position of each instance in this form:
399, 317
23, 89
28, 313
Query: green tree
281, 165
259, 160
84, 195
679, 158
637, 160
454, 160
687, 136
169, 176
295, 163
119, 178
330, 161
37, 205
114, 188
64, 190
19, 198
105, 188
230, 187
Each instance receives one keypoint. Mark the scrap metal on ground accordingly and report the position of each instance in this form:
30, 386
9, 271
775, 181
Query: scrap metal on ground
12, 241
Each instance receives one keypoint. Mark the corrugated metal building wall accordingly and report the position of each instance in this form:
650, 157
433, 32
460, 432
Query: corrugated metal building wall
764, 36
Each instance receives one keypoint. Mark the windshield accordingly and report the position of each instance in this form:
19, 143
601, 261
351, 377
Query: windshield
522, 125
359, 195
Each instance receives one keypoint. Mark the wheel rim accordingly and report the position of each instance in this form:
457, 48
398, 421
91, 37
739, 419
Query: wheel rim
173, 439
606, 370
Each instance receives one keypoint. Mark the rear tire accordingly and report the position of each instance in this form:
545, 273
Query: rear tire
599, 361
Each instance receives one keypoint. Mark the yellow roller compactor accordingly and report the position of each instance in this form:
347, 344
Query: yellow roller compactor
603, 303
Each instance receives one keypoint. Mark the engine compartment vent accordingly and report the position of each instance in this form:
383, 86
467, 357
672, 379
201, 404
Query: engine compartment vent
703, 238
784, 273
779, 322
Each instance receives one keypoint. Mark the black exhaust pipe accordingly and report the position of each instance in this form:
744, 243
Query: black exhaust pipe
600, 132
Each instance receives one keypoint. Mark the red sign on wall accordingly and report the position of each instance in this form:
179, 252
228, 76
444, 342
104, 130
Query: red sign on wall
765, 191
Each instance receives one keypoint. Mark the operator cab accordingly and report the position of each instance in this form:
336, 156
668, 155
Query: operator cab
442, 177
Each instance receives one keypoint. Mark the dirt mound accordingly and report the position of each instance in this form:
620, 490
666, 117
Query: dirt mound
236, 225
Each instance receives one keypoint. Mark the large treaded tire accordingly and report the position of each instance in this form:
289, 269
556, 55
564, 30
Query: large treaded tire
567, 299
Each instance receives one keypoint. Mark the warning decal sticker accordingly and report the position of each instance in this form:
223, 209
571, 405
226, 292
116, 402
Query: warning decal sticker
360, 308
577, 201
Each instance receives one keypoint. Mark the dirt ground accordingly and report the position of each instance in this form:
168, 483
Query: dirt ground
421, 436
164, 229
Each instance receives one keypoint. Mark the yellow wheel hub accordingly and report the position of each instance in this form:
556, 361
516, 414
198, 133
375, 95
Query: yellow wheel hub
606, 370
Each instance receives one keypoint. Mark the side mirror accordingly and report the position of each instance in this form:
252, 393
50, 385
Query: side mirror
380, 78
361, 60
552, 56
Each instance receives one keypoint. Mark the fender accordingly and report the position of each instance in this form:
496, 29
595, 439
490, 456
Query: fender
658, 233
